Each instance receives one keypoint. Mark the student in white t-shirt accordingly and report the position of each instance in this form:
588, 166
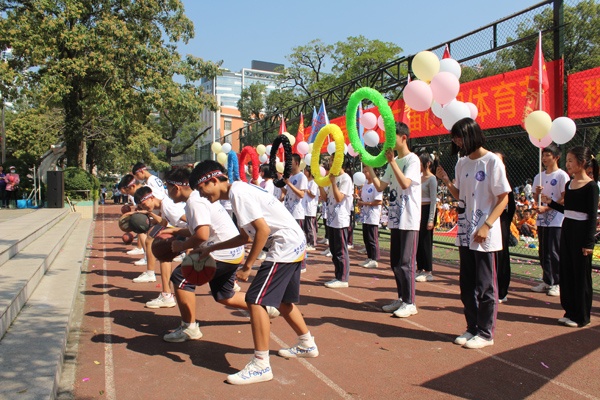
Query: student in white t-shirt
550, 183
162, 212
481, 188
310, 203
295, 190
370, 203
339, 197
403, 176
141, 173
267, 179
267, 223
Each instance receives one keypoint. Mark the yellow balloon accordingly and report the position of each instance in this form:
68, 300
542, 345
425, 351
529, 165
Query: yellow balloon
216, 147
222, 159
310, 147
290, 138
302, 165
425, 65
538, 124
279, 167
261, 149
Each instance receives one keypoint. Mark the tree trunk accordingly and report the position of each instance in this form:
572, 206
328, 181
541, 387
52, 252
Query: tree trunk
73, 128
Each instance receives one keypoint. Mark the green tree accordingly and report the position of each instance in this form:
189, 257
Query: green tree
252, 102
308, 66
107, 63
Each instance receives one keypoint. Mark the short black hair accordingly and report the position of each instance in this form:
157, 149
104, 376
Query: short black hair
126, 181
137, 166
141, 193
553, 149
266, 171
471, 134
204, 168
296, 157
402, 129
178, 175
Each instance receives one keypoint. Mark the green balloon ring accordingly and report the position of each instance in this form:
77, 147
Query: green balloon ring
388, 122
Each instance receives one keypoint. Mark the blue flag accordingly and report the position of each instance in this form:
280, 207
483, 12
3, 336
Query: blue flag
318, 122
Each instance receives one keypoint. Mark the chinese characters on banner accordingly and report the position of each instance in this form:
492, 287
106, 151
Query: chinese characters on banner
584, 94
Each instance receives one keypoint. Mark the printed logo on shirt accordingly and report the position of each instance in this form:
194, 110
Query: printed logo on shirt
480, 176
553, 182
370, 190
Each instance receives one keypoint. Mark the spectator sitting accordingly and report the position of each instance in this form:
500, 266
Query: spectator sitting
527, 225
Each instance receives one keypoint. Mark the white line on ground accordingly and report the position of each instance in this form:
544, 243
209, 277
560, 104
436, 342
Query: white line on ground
109, 372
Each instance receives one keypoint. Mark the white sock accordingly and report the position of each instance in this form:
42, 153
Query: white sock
150, 273
307, 339
262, 357
167, 295
192, 325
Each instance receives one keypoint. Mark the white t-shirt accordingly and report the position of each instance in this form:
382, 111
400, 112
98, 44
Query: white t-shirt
370, 214
158, 189
199, 212
338, 214
268, 185
276, 192
404, 211
287, 242
292, 202
479, 183
554, 185
311, 203
173, 212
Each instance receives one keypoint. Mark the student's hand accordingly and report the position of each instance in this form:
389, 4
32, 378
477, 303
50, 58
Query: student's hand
389, 155
538, 190
243, 273
546, 199
332, 179
543, 209
481, 234
587, 252
429, 226
441, 174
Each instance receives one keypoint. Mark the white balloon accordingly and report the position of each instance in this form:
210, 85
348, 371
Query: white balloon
345, 148
331, 148
380, 123
226, 148
450, 65
308, 158
437, 109
453, 112
563, 129
359, 179
371, 138
268, 150
263, 158
277, 159
473, 109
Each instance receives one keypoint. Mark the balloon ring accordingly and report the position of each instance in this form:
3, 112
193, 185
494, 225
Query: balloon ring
287, 155
251, 152
232, 166
388, 122
338, 159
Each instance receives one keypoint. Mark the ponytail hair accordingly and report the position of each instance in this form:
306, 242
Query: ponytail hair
584, 156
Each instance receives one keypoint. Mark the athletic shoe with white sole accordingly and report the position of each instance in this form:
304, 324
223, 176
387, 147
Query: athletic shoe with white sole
162, 302
253, 372
362, 264
372, 264
393, 306
554, 291
310, 248
136, 252
335, 284
145, 277
464, 338
183, 334
272, 311
141, 262
323, 241
477, 342
406, 310
542, 287
300, 351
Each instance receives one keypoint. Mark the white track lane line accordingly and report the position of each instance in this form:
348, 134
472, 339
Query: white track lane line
109, 371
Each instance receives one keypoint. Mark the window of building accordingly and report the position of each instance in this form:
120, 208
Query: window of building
227, 125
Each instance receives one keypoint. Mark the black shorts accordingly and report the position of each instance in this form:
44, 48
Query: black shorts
275, 283
221, 286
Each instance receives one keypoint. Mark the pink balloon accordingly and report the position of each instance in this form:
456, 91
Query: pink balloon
351, 151
322, 170
418, 95
380, 123
445, 87
546, 140
302, 148
368, 120
473, 109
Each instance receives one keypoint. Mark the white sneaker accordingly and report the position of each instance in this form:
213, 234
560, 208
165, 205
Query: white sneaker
503, 300
393, 306
362, 251
272, 311
350, 246
324, 252
429, 277
183, 333
300, 351
563, 320
406, 310
136, 252
554, 291
335, 284
145, 277
162, 302
362, 264
236, 287
420, 277
252, 373
310, 248
141, 262
323, 241
462, 339
477, 342
327, 253
542, 287
372, 264
261, 256
179, 258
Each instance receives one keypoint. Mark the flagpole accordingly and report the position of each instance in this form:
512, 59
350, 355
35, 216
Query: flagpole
541, 99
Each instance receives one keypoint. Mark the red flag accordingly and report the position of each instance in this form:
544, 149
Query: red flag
538, 94
300, 134
405, 118
282, 129
446, 52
